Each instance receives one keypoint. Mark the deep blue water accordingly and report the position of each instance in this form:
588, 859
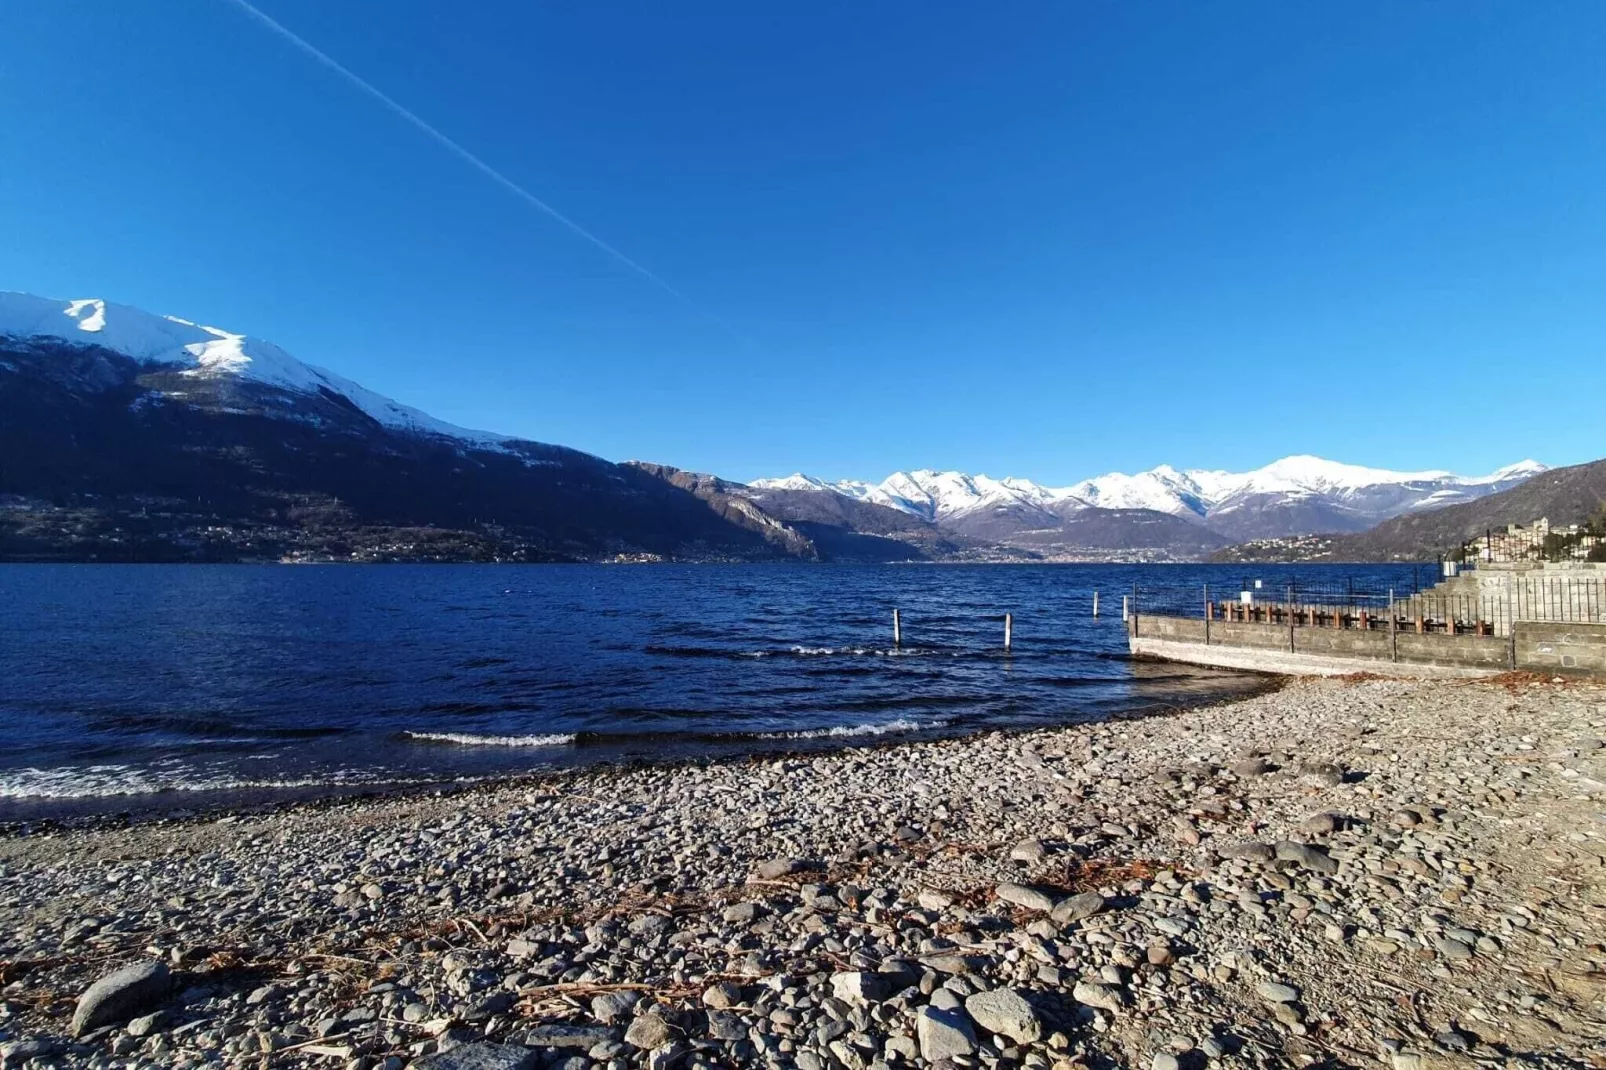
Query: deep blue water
140, 686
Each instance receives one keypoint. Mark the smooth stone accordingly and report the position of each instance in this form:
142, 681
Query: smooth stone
120, 995
1306, 857
1077, 907
1025, 896
18, 1052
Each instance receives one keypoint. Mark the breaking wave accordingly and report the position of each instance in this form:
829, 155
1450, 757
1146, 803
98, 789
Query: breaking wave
469, 739
880, 728
108, 780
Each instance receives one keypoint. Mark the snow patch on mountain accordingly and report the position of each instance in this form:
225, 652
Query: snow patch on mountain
208, 352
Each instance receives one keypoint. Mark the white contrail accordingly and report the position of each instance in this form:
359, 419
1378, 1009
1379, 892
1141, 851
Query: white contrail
474, 161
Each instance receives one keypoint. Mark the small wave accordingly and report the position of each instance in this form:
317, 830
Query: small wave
854, 651
881, 728
468, 739
101, 781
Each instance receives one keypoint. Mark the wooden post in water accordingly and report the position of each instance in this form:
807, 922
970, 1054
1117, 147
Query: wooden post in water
897, 628
1095, 603
1009, 631
1207, 613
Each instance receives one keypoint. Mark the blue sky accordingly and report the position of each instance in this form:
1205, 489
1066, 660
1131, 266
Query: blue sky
1041, 239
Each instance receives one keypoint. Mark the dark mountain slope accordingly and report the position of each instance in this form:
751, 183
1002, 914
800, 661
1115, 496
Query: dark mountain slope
93, 431
1565, 495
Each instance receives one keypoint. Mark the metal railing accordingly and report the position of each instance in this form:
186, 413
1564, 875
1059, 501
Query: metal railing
1450, 608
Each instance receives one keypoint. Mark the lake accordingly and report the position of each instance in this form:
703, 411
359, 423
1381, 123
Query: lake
144, 687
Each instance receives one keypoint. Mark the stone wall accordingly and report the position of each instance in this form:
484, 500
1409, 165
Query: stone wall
1562, 648
1537, 647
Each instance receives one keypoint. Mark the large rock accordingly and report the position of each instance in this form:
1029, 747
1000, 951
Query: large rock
19, 1052
120, 995
944, 1034
1006, 1013
1305, 856
479, 1057
1077, 907
1026, 896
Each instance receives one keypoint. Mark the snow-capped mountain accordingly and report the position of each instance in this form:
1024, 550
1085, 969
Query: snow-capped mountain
1295, 495
199, 352
133, 437
158, 433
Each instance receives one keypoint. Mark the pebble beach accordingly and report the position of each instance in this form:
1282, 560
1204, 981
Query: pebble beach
1349, 872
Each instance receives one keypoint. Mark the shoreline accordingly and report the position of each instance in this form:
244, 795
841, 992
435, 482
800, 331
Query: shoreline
1349, 870
115, 810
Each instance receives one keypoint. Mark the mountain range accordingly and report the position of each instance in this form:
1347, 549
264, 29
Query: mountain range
1293, 496
128, 435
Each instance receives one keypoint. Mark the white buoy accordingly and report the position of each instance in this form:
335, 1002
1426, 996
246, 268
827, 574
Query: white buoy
1095, 603
1009, 630
897, 629
1126, 610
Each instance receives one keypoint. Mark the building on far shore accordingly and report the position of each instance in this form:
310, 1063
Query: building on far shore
1538, 541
